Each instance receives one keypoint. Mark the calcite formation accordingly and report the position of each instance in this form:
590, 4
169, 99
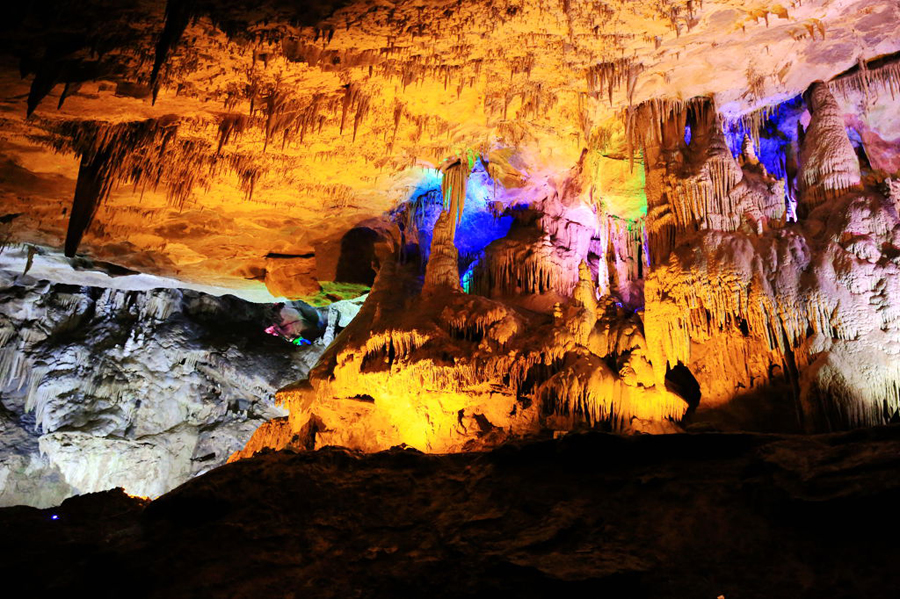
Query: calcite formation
530, 349
634, 216
105, 388
732, 288
783, 306
196, 138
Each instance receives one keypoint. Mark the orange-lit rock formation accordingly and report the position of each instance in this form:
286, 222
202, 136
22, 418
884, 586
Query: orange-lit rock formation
198, 137
746, 301
572, 214
433, 367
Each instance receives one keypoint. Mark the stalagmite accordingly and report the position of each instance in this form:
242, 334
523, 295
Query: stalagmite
442, 272
828, 164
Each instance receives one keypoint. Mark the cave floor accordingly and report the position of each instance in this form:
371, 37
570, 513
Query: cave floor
693, 515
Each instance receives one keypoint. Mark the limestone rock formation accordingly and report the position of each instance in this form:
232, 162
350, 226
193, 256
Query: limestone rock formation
629, 216
104, 388
427, 365
731, 298
803, 313
197, 138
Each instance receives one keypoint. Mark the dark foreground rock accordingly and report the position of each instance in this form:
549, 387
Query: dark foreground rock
593, 515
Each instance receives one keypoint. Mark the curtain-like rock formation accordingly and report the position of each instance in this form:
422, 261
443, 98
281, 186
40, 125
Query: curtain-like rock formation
428, 365
805, 314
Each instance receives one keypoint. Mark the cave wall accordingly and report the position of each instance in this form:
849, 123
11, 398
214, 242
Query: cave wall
143, 390
772, 293
624, 216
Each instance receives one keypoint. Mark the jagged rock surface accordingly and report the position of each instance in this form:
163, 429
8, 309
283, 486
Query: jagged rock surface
141, 390
160, 133
805, 313
427, 365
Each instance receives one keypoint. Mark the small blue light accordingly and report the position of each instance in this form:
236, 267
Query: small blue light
687, 135
54, 517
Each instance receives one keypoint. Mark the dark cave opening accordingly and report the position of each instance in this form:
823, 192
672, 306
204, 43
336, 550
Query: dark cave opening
358, 260
680, 380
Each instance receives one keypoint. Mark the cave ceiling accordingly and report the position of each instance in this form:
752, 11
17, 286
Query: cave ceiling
224, 142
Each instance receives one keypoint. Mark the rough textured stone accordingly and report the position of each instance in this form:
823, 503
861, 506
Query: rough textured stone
134, 389
674, 516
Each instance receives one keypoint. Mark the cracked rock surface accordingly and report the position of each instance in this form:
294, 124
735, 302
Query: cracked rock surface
106, 388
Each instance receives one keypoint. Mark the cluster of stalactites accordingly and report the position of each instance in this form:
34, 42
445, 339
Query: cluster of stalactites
144, 154
539, 268
697, 197
395, 343
828, 165
606, 77
688, 184
482, 319
696, 303
693, 181
870, 80
108, 156
587, 390
548, 261
658, 125
700, 201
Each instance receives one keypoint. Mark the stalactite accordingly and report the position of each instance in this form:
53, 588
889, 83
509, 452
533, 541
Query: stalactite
231, 126
179, 14
103, 151
877, 75
606, 77
754, 121
456, 172
357, 100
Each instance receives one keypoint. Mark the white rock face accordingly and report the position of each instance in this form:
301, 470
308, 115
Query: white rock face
339, 314
106, 388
